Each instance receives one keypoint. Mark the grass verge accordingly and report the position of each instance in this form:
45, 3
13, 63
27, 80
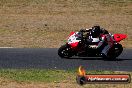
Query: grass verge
46, 75
35, 75
42, 78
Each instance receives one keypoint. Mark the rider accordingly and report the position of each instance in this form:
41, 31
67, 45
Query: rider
100, 38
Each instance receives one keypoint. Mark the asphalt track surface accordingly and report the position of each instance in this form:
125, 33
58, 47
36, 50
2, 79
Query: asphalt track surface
47, 58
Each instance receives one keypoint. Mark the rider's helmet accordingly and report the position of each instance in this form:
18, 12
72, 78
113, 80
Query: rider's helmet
95, 32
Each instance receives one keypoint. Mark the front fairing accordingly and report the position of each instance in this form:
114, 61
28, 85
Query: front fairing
74, 39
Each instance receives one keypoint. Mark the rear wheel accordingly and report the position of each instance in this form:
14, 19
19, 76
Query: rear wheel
65, 51
115, 51
118, 49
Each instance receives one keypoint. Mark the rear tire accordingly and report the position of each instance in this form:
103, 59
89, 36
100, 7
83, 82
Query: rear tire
65, 51
115, 51
118, 49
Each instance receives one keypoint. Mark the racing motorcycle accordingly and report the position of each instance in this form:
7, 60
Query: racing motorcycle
76, 46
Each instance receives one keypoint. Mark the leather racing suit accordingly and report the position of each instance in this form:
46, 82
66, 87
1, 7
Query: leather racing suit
103, 42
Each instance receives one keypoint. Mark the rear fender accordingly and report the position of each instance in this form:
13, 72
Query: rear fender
119, 37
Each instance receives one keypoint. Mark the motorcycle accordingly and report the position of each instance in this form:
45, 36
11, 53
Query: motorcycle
76, 46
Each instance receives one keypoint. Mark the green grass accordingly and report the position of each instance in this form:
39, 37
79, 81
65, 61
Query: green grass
43, 75
51, 78
34, 75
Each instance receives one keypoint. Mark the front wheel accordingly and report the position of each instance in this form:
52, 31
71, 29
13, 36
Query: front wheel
65, 51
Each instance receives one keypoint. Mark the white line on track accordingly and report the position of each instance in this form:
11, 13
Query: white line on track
6, 47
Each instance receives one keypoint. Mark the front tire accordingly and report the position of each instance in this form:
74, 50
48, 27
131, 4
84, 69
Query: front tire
65, 51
